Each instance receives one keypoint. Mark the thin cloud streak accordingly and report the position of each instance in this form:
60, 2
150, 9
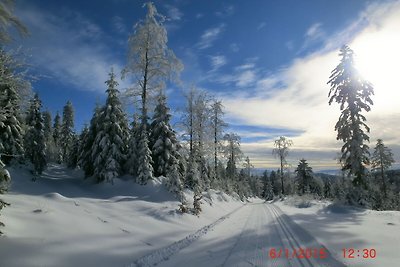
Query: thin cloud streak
209, 36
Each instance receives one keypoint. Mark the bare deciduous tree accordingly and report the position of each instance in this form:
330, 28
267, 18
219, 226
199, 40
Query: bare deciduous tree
281, 151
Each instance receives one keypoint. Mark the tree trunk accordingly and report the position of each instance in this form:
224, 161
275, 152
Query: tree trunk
144, 93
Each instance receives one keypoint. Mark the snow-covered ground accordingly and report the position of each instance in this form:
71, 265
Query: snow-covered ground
249, 237
63, 220
338, 227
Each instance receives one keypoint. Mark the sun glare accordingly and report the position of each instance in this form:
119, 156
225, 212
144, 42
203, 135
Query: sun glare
377, 57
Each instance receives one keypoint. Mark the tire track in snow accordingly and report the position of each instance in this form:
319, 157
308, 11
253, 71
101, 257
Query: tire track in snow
288, 237
302, 239
156, 257
261, 232
237, 240
277, 261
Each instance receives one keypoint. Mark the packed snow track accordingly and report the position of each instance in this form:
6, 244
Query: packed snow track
258, 234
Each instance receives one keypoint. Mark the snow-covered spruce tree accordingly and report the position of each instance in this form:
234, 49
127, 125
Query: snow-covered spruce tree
264, 179
73, 154
131, 165
353, 93
304, 175
11, 133
67, 131
48, 134
253, 181
151, 63
85, 156
35, 140
48, 130
233, 153
175, 181
220, 183
163, 139
145, 162
327, 190
276, 185
381, 160
57, 128
281, 151
57, 153
268, 189
242, 186
110, 145
256, 186
192, 180
82, 139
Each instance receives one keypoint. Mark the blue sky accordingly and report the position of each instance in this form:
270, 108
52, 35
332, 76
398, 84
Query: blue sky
268, 61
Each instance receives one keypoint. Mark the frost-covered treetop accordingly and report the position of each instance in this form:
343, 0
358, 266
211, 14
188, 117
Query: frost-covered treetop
149, 55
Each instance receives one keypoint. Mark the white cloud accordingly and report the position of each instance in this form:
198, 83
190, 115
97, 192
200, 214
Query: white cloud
69, 48
173, 13
300, 93
246, 66
217, 62
243, 76
246, 78
209, 36
314, 31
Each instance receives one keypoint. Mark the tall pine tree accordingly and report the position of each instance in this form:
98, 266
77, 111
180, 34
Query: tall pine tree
88, 137
131, 165
144, 160
48, 134
73, 154
35, 139
11, 133
57, 153
110, 144
353, 93
164, 141
67, 133
48, 130
304, 176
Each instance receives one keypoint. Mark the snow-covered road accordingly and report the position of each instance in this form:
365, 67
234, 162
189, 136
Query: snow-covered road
259, 234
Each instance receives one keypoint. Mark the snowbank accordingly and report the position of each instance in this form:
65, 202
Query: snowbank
63, 220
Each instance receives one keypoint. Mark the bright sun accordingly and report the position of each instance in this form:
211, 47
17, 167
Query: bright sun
377, 56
